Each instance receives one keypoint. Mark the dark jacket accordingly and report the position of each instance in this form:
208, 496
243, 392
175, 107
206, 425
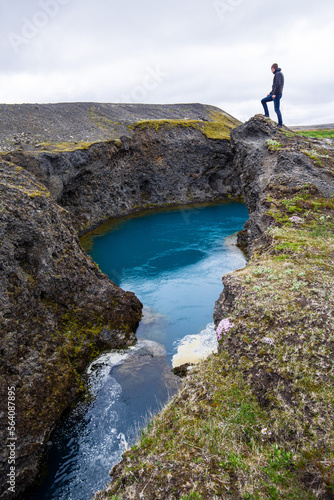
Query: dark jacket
278, 82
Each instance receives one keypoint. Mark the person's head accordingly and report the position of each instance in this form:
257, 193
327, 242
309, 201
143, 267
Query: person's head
274, 67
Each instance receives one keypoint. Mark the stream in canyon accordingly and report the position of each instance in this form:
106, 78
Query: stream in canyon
173, 261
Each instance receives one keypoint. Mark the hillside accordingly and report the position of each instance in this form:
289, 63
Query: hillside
71, 125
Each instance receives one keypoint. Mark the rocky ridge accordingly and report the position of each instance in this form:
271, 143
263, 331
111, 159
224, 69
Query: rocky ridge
76, 125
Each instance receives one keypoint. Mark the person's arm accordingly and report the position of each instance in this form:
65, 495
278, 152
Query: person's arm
277, 85
273, 94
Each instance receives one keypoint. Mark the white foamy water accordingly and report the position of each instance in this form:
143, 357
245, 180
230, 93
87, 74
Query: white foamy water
194, 348
102, 427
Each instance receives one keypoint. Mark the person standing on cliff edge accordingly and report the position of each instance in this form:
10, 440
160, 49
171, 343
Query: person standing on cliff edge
275, 94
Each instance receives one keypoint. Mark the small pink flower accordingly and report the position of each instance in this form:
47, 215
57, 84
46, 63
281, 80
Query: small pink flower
295, 218
223, 328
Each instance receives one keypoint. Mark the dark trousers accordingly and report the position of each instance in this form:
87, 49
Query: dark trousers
277, 100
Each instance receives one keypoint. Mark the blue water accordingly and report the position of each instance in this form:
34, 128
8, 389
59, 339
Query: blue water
173, 261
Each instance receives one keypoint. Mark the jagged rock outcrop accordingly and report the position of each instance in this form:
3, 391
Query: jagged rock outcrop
270, 162
271, 166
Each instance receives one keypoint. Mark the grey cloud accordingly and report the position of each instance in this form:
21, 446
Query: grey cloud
213, 51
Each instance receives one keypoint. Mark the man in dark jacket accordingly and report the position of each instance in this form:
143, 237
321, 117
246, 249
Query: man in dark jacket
275, 94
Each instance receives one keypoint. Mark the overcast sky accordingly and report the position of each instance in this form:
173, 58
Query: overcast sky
215, 52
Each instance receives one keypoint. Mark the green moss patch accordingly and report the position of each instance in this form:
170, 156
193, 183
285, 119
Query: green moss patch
218, 127
59, 147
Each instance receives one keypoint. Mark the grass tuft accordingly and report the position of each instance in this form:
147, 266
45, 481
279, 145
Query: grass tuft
318, 134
